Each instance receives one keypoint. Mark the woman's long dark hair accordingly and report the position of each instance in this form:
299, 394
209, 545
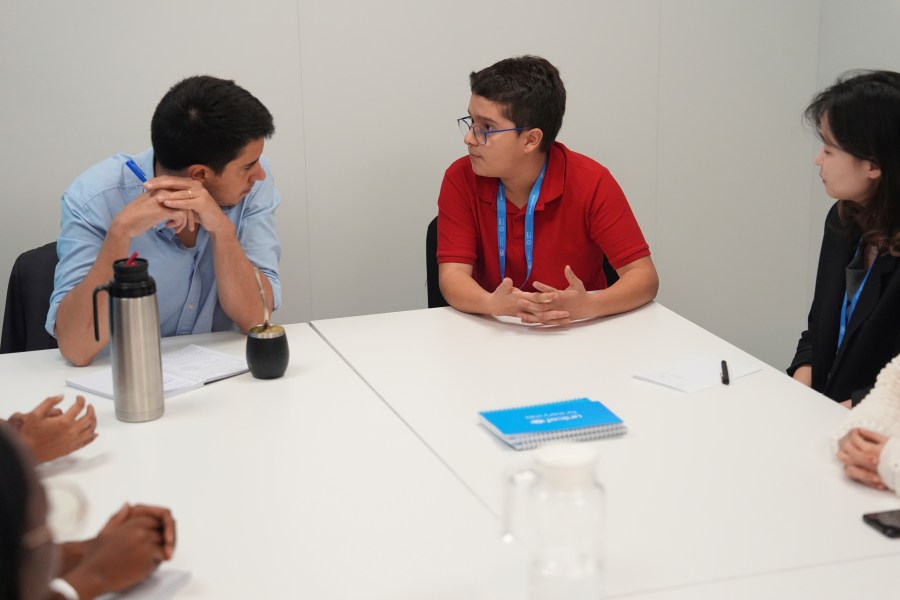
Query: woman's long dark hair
863, 113
13, 515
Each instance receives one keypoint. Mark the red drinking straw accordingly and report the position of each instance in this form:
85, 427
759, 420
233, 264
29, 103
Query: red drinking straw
130, 261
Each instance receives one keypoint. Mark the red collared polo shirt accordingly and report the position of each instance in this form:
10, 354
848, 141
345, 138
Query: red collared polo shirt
581, 215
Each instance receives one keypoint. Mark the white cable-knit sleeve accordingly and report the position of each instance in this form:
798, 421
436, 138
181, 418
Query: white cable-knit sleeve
879, 411
889, 464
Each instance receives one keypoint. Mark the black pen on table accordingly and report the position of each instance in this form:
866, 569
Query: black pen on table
725, 379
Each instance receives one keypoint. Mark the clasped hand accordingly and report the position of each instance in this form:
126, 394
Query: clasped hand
130, 546
548, 305
181, 202
860, 451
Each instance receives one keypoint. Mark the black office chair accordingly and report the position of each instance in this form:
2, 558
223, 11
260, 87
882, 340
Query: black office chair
611, 275
432, 285
28, 300
436, 299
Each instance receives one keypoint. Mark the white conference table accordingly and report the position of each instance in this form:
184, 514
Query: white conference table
728, 492
864, 578
305, 486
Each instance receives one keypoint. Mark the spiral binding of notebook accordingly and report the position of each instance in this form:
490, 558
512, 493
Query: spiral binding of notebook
579, 419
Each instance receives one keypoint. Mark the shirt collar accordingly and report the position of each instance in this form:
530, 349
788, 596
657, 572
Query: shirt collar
551, 189
145, 161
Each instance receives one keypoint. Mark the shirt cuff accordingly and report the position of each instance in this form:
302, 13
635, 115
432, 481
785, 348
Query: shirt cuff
65, 589
889, 463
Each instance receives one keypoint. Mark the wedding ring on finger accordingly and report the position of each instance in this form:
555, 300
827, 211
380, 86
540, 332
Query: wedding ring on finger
190, 194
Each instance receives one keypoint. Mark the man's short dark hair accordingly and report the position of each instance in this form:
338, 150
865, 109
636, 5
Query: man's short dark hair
208, 121
529, 90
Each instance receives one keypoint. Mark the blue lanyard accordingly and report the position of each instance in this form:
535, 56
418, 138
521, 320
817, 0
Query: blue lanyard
847, 314
529, 224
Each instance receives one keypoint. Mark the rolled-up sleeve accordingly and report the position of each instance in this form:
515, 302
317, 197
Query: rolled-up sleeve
80, 238
257, 233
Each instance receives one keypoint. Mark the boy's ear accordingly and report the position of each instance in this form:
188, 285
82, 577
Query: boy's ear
533, 139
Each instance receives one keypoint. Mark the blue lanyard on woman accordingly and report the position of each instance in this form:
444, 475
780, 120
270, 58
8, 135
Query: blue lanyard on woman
847, 313
529, 224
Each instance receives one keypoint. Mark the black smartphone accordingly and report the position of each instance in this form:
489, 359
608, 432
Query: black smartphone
887, 522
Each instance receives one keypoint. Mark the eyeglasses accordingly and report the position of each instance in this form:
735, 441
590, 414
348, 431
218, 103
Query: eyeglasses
466, 125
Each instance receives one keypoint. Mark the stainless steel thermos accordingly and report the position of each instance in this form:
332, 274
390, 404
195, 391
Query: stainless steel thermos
134, 335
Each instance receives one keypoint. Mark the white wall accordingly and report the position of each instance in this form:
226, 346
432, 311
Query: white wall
694, 105
734, 163
854, 35
80, 81
383, 85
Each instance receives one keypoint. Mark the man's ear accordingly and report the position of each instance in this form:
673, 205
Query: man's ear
533, 138
199, 173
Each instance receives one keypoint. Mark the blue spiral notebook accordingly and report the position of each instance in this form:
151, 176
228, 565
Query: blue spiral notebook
527, 427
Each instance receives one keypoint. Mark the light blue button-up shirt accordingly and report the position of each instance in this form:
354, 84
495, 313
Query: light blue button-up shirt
185, 277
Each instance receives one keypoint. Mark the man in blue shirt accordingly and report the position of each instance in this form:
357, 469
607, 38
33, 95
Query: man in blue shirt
204, 220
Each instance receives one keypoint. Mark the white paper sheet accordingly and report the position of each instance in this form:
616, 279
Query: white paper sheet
161, 585
697, 372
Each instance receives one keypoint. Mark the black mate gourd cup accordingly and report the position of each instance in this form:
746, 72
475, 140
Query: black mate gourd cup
267, 351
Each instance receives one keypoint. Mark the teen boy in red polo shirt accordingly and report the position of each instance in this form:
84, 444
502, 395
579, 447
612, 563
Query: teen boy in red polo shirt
568, 205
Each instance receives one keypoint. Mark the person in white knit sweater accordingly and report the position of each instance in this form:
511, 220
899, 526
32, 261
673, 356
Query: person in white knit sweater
868, 440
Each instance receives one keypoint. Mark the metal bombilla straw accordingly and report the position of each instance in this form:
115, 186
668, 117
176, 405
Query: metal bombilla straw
262, 298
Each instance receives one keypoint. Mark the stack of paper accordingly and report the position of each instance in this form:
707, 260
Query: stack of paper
187, 369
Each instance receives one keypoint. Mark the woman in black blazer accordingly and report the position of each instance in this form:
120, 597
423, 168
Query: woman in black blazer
854, 321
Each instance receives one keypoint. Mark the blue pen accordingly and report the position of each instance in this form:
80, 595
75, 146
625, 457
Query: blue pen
136, 170
140, 175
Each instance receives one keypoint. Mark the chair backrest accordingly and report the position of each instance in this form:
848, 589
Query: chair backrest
611, 275
436, 299
28, 300
432, 281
